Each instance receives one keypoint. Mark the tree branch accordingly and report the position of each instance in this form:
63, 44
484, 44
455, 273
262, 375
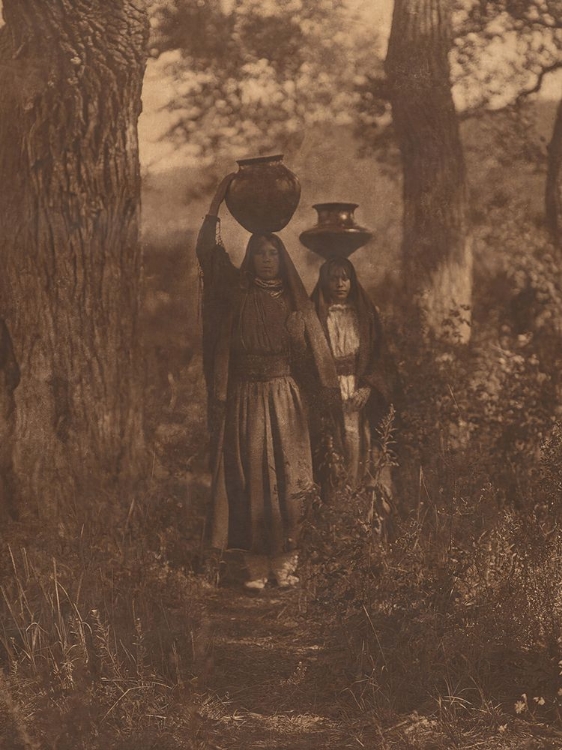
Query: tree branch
540, 78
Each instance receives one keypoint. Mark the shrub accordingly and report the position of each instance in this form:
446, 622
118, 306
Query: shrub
103, 631
459, 605
464, 597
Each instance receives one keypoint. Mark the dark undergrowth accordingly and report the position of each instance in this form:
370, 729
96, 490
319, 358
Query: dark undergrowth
103, 622
429, 620
101, 629
447, 601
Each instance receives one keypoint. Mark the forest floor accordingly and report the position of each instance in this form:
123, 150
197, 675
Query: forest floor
214, 668
264, 678
269, 682
266, 681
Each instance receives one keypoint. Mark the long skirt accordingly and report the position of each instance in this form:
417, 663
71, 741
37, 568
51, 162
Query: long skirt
357, 444
267, 465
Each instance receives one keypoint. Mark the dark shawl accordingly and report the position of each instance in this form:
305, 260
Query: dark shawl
373, 366
225, 288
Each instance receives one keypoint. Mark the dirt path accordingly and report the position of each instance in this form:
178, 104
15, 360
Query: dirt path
270, 684
268, 679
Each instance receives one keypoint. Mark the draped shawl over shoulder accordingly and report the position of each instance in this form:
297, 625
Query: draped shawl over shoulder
226, 289
372, 367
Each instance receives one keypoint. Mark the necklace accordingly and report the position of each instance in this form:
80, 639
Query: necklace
274, 287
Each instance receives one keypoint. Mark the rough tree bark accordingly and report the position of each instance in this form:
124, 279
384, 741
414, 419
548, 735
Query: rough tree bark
70, 265
553, 197
437, 252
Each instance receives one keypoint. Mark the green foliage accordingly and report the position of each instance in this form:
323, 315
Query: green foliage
551, 471
501, 52
456, 610
103, 627
481, 412
460, 604
502, 49
248, 78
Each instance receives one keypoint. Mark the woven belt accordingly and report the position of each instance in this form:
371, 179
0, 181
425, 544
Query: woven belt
260, 367
346, 365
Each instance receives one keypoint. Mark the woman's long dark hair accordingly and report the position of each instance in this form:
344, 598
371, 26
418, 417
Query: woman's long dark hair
321, 296
372, 346
338, 263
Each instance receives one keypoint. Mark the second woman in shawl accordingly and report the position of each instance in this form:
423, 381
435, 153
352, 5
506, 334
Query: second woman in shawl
352, 327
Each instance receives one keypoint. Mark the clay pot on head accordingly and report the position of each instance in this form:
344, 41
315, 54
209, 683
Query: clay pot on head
264, 194
336, 232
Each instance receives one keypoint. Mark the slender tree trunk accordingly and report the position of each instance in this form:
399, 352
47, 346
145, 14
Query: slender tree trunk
553, 198
70, 265
437, 253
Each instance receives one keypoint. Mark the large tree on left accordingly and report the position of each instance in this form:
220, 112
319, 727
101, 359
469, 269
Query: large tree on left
70, 80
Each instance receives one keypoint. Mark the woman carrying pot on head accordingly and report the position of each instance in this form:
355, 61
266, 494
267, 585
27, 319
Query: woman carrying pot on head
352, 328
258, 328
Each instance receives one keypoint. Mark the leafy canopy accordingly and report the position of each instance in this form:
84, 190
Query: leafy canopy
235, 79
503, 49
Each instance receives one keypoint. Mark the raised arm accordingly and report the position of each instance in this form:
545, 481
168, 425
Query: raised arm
206, 241
220, 195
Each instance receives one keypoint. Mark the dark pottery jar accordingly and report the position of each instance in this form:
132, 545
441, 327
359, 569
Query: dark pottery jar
264, 194
336, 232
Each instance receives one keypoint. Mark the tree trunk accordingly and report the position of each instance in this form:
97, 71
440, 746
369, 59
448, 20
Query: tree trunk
553, 186
437, 252
70, 265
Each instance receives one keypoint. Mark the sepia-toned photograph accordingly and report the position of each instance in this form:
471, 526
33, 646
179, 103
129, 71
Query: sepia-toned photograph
280, 374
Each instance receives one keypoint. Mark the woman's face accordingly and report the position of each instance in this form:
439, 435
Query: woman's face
266, 260
339, 284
